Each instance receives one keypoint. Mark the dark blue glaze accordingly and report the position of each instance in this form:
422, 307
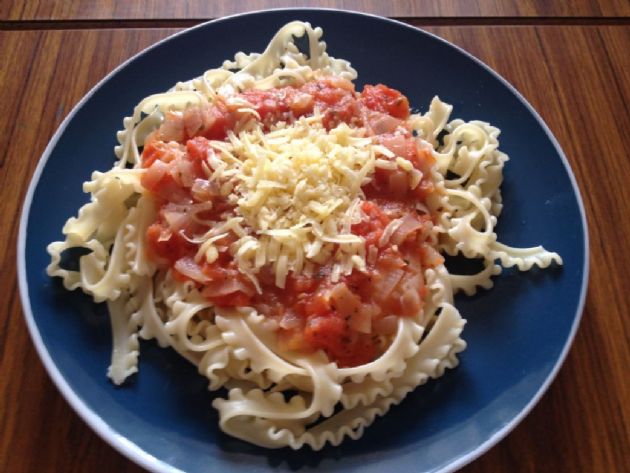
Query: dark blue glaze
517, 332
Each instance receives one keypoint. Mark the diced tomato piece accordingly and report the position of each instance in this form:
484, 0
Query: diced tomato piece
343, 111
150, 153
214, 271
375, 213
371, 228
391, 259
197, 148
165, 188
270, 102
424, 189
325, 331
157, 149
153, 233
423, 160
221, 120
405, 148
300, 104
300, 283
317, 304
372, 238
381, 98
335, 99
332, 334
293, 340
223, 268
355, 279
169, 249
236, 299
324, 94
360, 352
430, 256
179, 276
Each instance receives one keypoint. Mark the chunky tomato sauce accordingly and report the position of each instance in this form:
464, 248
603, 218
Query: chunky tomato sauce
349, 319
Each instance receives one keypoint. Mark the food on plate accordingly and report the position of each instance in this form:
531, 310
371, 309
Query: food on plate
284, 230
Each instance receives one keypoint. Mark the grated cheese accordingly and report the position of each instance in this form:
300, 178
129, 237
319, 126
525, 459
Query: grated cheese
415, 178
389, 231
404, 164
298, 188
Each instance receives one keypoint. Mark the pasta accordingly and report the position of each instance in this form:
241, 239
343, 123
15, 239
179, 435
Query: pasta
284, 233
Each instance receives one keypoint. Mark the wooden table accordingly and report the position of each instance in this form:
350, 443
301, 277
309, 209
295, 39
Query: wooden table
571, 60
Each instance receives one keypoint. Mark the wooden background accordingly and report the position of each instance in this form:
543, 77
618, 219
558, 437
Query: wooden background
570, 59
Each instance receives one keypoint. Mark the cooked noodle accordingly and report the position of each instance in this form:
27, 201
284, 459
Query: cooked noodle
238, 348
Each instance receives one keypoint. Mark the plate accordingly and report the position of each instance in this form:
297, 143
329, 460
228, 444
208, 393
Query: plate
518, 333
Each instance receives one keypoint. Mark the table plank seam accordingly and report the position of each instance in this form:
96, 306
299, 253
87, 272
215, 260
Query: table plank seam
21, 25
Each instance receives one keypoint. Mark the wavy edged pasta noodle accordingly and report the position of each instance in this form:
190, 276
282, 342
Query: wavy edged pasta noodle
295, 189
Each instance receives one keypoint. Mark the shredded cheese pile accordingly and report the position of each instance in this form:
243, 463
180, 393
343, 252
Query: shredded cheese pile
298, 190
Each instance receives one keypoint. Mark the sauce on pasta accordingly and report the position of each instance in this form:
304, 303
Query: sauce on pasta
348, 319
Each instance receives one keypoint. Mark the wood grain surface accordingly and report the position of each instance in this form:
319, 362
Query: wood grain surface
203, 9
576, 75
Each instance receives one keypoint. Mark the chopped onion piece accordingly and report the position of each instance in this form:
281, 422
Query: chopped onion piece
387, 284
190, 269
409, 225
385, 326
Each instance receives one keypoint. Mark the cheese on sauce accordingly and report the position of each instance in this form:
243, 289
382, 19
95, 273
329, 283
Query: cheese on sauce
298, 190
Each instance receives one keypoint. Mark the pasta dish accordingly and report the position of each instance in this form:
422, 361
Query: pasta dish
285, 232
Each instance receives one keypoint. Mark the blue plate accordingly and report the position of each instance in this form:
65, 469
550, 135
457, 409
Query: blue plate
518, 333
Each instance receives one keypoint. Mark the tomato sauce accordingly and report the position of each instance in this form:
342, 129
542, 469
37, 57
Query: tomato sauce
347, 319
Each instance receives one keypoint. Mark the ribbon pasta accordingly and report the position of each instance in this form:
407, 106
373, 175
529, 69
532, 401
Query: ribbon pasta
276, 398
